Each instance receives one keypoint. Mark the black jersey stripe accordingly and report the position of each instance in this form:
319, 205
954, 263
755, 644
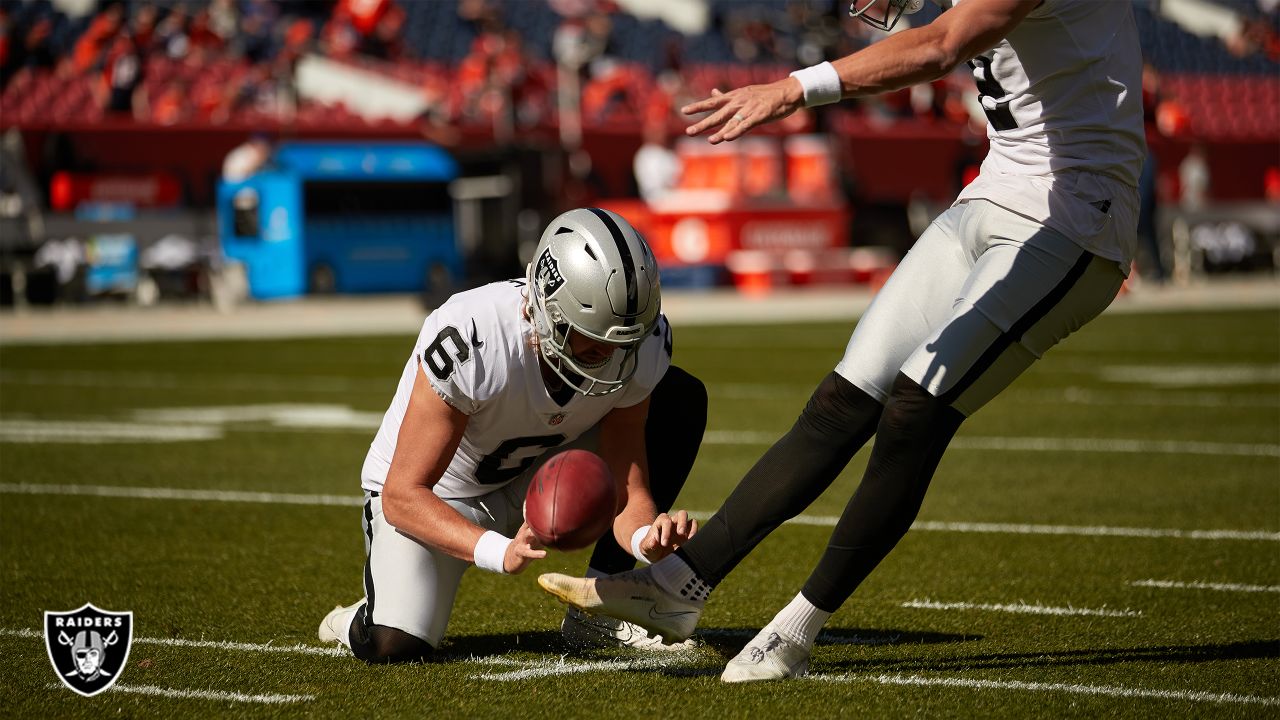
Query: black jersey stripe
628, 263
1020, 328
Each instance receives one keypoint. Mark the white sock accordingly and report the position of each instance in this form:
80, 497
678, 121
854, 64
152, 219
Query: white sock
676, 577
800, 621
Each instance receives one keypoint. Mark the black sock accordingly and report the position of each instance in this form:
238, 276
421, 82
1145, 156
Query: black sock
836, 422
910, 440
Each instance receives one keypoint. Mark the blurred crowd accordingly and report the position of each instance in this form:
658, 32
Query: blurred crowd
225, 60
508, 65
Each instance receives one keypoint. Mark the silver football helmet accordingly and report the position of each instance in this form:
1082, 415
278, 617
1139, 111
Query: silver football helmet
592, 274
893, 11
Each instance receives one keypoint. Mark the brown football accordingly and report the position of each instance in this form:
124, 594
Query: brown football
571, 501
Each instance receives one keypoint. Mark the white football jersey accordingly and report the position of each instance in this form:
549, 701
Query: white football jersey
1063, 99
476, 350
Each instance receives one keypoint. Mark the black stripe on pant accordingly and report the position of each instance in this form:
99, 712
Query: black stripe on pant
1020, 328
368, 559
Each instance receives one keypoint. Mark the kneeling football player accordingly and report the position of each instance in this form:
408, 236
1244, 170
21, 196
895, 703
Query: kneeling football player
576, 354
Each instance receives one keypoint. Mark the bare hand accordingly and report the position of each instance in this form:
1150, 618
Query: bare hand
737, 111
667, 533
521, 551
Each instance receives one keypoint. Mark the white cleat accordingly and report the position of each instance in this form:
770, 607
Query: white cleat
633, 596
768, 656
336, 626
600, 631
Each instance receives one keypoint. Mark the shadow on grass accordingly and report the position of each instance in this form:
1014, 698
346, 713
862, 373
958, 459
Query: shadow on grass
1241, 650
716, 645
728, 641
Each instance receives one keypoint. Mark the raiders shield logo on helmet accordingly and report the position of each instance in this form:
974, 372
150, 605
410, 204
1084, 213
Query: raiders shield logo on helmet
88, 646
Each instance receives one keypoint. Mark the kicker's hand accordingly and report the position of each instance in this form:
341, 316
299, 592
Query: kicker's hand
521, 551
737, 111
668, 532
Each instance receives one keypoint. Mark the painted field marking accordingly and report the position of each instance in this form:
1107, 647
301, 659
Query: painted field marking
97, 432
1020, 608
1074, 689
1191, 375
210, 422
283, 415
297, 649
1040, 444
532, 669
1072, 395
1116, 445
174, 381
529, 669
725, 391
1083, 396
1087, 531
1225, 587
824, 637
154, 493
215, 695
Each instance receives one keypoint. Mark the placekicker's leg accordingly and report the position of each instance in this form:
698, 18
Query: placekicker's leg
844, 410
409, 592
1021, 299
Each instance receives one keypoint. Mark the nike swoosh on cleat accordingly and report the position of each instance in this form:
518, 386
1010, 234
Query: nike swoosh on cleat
657, 615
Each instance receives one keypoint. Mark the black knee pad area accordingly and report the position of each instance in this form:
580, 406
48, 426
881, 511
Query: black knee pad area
379, 644
838, 408
912, 408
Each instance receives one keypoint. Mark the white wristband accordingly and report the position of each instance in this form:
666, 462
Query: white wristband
821, 84
636, 537
491, 552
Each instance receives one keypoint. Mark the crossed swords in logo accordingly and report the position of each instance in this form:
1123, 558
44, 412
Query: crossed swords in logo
107, 642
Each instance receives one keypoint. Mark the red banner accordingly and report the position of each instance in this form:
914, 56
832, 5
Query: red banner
153, 190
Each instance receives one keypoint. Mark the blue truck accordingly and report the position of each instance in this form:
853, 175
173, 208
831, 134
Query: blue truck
361, 217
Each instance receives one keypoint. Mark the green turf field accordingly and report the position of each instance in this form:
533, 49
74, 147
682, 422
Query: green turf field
1102, 541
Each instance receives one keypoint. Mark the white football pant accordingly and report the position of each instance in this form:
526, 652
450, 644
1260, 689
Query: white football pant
984, 293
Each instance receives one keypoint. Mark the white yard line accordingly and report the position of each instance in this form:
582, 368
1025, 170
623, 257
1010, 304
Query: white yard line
1224, 587
529, 669
298, 649
175, 381
532, 669
1020, 608
1175, 376
154, 493
215, 695
1123, 398
511, 669
1040, 444
1073, 689
719, 391
101, 431
1088, 531
824, 637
